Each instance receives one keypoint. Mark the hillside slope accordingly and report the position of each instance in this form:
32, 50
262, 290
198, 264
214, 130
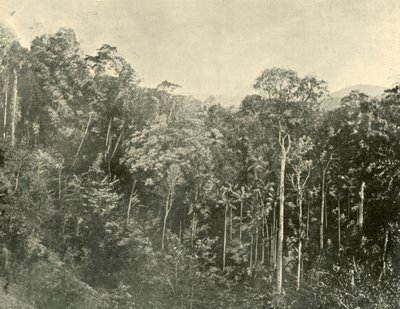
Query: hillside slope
336, 96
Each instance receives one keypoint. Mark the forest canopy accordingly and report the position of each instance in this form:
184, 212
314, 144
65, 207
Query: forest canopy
117, 195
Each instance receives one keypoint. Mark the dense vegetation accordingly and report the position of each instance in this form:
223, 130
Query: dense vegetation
115, 195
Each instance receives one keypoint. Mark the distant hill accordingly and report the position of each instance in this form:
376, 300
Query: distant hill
336, 97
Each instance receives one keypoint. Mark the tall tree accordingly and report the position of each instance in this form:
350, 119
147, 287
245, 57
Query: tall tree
292, 104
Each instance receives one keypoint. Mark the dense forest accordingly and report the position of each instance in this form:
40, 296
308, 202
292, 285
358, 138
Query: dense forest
116, 195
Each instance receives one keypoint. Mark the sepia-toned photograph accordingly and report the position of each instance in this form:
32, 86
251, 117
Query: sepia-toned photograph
199, 154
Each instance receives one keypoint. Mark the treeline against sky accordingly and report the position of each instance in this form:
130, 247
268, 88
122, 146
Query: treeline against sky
143, 198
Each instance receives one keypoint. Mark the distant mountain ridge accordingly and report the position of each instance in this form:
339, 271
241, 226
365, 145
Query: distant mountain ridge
336, 96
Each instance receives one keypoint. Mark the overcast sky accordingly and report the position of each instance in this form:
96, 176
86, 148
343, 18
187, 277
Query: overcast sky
219, 47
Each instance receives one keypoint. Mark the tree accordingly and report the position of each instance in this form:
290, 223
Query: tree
300, 166
292, 100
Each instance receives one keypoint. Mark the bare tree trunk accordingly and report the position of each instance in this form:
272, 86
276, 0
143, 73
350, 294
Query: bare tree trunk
167, 209
117, 144
5, 105
273, 239
128, 214
361, 208
108, 146
83, 138
224, 250
108, 142
284, 152
321, 227
262, 236
180, 231
339, 231
14, 107
256, 246
326, 210
268, 243
241, 217
59, 184
299, 253
251, 251
383, 272
308, 220
230, 224
299, 263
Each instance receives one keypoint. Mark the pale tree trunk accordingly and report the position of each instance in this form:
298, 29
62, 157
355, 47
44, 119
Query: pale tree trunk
83, 139
308, 220
251, 251
116, 144
263, 225
14, 107
383, 272
5, 104
299, 253
321, 227
339, 228
224, 249
256, 246
284, 153
241, 215
168, 205
128, 214
361, 208
299, 185
273, 239
230, 224
108, 146
59, 184
194, 228
326, 210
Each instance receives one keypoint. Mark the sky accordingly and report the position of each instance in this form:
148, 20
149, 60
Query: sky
219, 47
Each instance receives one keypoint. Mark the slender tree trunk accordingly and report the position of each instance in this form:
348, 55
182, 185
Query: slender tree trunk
251, 251
273, 238
116, 145
230, 224
194, 228
268, 242
383, 272
59, 184
299, 253
279, 271
308, 220
361, 208
83, 139
321, 226
14, 107
262, 236
108, 146
339, 231
323, 208
5, 104
128, 214
180, 231
241, 220
256, 246
108, 142
167, 209
299, 263
326, 210
225, 228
